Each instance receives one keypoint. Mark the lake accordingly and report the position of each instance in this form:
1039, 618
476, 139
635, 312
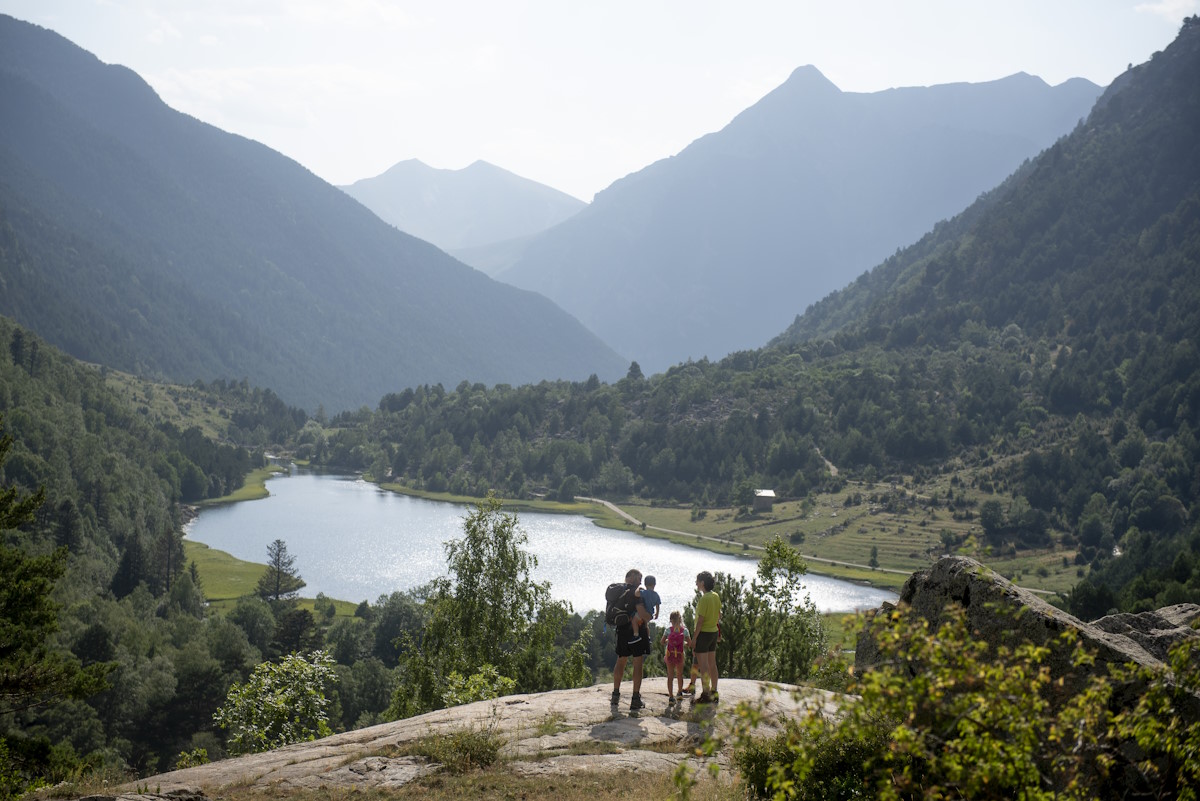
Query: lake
354, 541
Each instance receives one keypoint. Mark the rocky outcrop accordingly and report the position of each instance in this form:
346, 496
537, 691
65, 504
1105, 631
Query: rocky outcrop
998, 612
559, 732
570, 731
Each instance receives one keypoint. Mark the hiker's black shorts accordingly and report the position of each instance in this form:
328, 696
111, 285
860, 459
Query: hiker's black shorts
706, 641
624, 648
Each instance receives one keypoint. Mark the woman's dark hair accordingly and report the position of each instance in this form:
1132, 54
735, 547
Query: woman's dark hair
707, 580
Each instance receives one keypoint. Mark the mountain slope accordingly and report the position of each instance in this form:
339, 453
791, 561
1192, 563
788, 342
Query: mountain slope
715, 249
456, 209
1097, 238
136, 236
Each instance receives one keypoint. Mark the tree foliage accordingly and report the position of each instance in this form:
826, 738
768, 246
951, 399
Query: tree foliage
770, 629
282, 702
946, 715
33, 672
489, 624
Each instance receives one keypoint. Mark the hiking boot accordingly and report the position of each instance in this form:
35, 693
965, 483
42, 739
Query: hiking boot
691, 689
635, 639
616, 697
704, 698
635, 703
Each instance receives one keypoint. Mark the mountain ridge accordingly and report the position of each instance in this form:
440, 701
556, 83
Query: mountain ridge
465, 209
728, 239
227, 245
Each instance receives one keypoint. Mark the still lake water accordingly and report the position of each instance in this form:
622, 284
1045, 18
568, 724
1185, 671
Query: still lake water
354, 541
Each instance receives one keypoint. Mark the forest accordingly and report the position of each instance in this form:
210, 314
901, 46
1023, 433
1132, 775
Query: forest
113, 661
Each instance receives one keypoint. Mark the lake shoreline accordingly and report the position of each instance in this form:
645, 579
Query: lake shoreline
350, 546
602, 513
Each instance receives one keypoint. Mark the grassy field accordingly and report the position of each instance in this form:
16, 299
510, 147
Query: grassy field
254, 487
847, 526
225, 579
843, 629
182, 406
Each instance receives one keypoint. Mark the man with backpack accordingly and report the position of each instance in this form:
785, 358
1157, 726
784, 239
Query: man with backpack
622, 603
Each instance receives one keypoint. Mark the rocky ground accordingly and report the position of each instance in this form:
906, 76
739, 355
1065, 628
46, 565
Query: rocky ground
573, 731
559, 732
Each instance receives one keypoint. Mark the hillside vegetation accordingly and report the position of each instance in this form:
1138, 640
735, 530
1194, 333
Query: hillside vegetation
135, 236
1040, 349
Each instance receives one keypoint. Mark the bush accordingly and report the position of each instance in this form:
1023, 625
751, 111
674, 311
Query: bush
459, 750
943, 716
279, 704
835, 761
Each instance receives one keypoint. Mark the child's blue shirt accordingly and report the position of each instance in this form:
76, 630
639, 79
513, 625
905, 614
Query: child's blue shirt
650, 600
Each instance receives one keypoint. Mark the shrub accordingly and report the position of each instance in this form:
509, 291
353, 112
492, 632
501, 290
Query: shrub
279, 704
943, 716
460, 750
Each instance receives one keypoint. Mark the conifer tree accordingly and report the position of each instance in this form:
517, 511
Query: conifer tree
281, 581
31, 672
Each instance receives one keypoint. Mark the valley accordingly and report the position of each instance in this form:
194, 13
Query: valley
953, 330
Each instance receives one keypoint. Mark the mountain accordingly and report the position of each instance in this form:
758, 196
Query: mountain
1095, 240
1084, 267
459, 209
138, 237
718, 247
1022, 385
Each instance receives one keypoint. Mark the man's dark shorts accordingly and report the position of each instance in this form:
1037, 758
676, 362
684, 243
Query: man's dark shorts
641, 648
706, 641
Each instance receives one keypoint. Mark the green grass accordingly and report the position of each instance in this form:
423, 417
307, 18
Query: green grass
252, 489
225, 579
842, 629
182, 406
904, 540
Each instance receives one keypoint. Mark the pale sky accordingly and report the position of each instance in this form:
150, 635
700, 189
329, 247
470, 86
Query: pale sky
572, 93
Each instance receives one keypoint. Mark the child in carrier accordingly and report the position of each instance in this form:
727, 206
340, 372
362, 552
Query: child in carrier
675, 639
651, 601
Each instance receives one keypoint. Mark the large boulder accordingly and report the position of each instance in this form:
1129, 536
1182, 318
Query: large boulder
999, 612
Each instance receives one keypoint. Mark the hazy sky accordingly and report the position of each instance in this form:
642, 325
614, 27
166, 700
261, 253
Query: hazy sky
572, 93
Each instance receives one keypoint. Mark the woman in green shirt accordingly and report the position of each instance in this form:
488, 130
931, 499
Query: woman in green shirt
704, 643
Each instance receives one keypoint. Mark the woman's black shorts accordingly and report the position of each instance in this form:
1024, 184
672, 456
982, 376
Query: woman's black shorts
706, 641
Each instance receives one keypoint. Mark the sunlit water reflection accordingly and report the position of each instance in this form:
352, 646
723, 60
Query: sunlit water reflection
354, 541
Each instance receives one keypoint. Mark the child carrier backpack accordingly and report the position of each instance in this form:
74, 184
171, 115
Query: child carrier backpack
616, 612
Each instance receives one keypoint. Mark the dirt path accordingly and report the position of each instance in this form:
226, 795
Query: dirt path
808, 557
631, 519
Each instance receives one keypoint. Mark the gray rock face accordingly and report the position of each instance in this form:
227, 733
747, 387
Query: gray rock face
1000, 612
561, 732
1155, 631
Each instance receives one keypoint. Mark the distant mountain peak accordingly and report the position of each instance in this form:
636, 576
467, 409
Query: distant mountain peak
470, 207
810, 78
797, 195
